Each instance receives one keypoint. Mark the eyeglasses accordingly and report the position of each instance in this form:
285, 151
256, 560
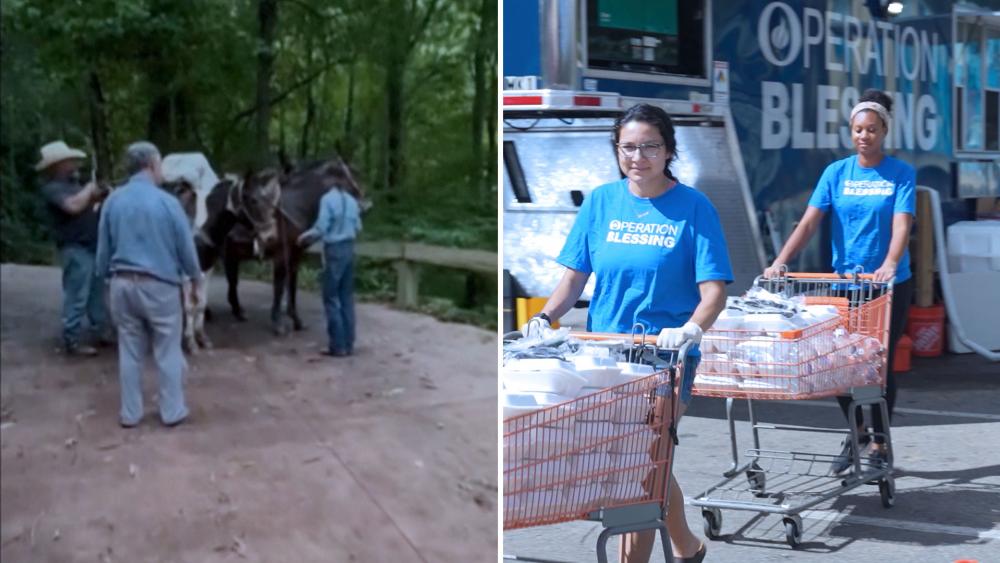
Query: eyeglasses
647, 150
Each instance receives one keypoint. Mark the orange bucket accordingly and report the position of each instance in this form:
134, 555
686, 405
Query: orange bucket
926, 329
901, 359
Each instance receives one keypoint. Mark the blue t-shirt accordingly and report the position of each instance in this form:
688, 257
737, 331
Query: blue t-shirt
649, 255
864, 201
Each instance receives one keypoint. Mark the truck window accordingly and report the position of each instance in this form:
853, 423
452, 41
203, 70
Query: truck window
557, 161
514, 172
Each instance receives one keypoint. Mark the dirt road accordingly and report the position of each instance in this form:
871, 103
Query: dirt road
389, 455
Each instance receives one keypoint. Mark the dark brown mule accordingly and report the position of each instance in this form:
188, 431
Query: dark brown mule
278, 219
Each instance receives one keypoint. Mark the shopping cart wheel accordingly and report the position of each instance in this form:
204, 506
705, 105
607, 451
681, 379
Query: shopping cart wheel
887, 488
713, 522
793, 530
757, 480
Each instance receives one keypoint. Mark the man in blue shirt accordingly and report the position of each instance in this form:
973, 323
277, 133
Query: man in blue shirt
338, 224
146, 247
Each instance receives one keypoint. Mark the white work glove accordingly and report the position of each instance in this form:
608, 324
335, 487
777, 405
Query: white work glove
536, 327
673, 338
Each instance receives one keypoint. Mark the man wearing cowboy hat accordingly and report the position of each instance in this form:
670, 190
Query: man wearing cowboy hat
74, 224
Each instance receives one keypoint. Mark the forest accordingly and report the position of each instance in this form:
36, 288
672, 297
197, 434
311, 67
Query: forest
403, 90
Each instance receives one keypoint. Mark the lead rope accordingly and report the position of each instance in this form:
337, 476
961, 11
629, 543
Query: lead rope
284, 244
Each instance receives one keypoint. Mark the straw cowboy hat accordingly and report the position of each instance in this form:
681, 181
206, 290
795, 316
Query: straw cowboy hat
57, 151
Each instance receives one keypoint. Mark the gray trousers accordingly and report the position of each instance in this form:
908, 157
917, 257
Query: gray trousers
148, 313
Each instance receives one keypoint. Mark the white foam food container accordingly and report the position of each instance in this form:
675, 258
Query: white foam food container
515, 404
593, 412
635, 371
593, 435
630, 467
585, 498
538, 443
587, 464
542, 375
532, 474
630, 409
623, 491
634, 439
518, 505
729, 319
599, 372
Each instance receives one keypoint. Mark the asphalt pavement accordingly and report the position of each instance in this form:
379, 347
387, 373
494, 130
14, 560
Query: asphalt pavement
946, 435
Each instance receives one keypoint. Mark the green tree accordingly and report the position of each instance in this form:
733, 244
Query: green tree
404, 89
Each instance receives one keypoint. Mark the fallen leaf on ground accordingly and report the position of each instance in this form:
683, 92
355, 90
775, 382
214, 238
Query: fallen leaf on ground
11, 539
394, 391
86, 414
239, 547
482, 501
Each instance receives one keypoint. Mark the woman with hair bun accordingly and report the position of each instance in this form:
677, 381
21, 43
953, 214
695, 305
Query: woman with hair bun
871, 198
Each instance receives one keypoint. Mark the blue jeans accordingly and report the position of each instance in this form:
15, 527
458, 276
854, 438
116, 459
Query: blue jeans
338, 295
83, 294
687, 378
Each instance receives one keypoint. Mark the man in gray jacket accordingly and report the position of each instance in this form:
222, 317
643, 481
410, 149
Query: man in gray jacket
145, 246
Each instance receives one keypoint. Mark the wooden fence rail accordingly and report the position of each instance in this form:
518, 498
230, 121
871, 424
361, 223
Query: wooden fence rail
409, 257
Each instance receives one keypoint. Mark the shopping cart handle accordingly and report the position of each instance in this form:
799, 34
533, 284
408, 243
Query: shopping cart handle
635, 338
649, 339
821, 276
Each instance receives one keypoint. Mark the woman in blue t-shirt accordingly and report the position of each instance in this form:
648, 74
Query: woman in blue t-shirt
871, 199
657, 249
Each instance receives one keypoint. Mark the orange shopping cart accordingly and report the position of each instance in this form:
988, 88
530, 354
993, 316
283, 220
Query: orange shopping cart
842, 356
602, 457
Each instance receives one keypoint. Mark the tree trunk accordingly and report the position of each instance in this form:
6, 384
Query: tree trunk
307, 125
479, 73
169, 117
393, 123
491, 116
491, 131
347, 146
310, 117
397, 45
267, 19
99, 128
